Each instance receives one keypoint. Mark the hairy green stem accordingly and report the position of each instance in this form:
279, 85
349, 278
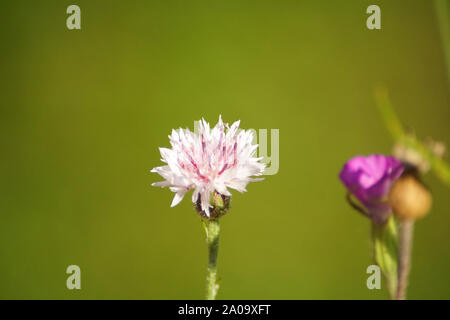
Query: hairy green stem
212, 239
385, 252
404, 264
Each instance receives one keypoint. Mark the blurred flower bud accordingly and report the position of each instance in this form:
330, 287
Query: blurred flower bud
437, 147
406, 152
411, 157
219, 205
409, 198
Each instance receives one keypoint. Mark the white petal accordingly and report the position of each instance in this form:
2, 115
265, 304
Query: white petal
204, 197
161, 184
238, 185
222, 189
177, 198
195, 195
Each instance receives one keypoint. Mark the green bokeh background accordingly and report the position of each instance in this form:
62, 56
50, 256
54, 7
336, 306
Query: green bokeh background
84, 112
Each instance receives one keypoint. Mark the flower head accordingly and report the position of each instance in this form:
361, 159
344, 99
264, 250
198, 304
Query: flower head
209, 162
370, 179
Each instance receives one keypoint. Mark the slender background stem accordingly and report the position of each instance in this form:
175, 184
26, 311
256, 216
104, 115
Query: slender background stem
393, 124
212, 238
404, 265
442, 13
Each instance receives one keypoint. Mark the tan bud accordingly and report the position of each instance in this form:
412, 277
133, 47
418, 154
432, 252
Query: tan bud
409, 198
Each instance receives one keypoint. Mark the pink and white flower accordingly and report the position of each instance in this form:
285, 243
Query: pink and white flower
212, 161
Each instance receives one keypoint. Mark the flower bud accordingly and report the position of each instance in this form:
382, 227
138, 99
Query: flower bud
409, 198
219, 205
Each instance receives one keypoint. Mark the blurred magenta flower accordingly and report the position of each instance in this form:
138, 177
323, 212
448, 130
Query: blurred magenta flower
370, 179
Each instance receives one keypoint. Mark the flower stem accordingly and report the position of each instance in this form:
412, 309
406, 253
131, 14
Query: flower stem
442, 8
404, 265
212, 229
385, 252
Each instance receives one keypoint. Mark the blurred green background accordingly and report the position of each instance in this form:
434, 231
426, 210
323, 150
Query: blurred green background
83, 113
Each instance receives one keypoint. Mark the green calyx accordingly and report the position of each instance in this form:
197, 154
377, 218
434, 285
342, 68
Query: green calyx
220, 204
